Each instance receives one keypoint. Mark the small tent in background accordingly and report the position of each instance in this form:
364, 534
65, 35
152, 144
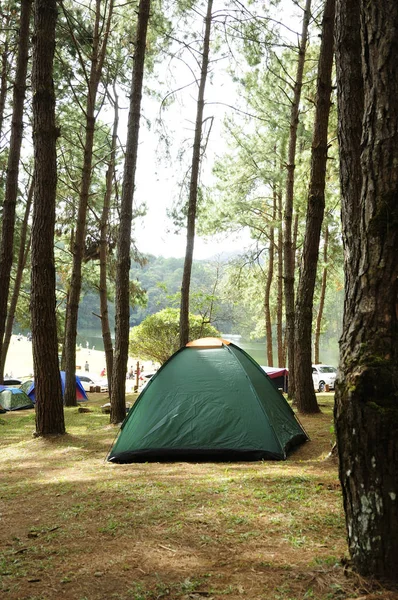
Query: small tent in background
279, 377
81, 395
14, 399
26, 385
209, 401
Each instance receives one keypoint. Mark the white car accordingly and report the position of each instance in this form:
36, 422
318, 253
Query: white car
88, 382
146, 379
322, 376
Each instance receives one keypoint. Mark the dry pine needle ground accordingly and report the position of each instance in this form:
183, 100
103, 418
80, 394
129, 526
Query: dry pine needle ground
78, 528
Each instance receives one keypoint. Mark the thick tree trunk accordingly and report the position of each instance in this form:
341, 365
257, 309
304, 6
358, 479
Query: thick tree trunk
11, 192
22, 258
366, 414
193, 185
49, 408
288, 242
103, 286
97, 61
122, 295
322, 296
304, 389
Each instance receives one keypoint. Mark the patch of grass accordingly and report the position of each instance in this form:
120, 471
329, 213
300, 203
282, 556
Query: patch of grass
112, 526
164, 590
329, 561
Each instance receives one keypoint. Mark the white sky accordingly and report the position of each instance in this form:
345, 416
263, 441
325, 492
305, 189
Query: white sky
158, 187
158, 182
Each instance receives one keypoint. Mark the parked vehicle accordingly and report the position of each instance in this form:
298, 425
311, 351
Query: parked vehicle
12, 382
146, 379
322, 376
88, 382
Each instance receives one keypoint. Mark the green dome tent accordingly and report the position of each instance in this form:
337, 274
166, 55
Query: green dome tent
14, 399
209, 401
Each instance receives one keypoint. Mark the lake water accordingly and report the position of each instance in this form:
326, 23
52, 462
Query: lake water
257, 350
92, 336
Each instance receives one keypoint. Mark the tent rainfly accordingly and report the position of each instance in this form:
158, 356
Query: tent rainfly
210, 401
81, 395
279, 377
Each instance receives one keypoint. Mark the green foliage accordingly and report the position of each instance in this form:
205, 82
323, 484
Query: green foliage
157, 337
251, 176
161, 278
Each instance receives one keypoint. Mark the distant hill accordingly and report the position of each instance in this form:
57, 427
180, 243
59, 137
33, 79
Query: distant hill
161, 278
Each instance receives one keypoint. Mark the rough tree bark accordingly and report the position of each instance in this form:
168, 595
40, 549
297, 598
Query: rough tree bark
304, 389
288, 256
122, 295
49, 405
193, 185
322, 296
366, 413
11, 191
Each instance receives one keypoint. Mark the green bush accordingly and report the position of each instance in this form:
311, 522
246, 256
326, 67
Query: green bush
157, 337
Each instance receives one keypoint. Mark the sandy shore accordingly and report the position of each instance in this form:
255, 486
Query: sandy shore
19, 361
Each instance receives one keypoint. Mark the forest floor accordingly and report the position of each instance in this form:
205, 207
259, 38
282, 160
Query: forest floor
78, 528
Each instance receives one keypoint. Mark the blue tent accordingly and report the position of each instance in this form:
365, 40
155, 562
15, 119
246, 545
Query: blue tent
81, 395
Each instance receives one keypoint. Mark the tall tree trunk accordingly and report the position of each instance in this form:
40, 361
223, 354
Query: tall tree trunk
22, 258
5, 69
295, 238
7, 43
97, 61
279, 301
104, 228
11, 192
193, 185
267, 294
122, 295
49, 408
71, 246
321, 298
366, 413
304, 389
288, 243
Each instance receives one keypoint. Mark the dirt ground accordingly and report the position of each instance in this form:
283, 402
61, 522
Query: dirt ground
76, 527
